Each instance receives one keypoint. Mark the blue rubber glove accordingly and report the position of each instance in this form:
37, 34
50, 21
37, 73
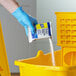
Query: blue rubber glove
25, 20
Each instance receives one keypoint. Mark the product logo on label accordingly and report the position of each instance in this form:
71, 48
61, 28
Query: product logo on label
42, 25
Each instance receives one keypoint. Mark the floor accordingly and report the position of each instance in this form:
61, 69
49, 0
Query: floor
15, 74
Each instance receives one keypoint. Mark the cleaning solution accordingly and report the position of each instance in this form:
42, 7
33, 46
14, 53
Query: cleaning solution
52, 51
42, 31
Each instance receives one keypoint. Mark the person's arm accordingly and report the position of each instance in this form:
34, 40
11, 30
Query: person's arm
10, 5
23, 18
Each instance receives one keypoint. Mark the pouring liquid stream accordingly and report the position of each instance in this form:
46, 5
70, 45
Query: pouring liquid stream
52, 51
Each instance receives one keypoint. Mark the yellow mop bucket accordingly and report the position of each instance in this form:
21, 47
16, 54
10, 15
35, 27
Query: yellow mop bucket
41, 65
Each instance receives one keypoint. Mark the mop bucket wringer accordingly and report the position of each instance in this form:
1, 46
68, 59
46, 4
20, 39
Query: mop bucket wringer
66, 37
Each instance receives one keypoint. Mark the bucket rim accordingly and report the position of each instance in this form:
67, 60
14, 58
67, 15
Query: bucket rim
44, 67
65, 12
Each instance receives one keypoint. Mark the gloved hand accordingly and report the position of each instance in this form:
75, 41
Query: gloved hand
25, 20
